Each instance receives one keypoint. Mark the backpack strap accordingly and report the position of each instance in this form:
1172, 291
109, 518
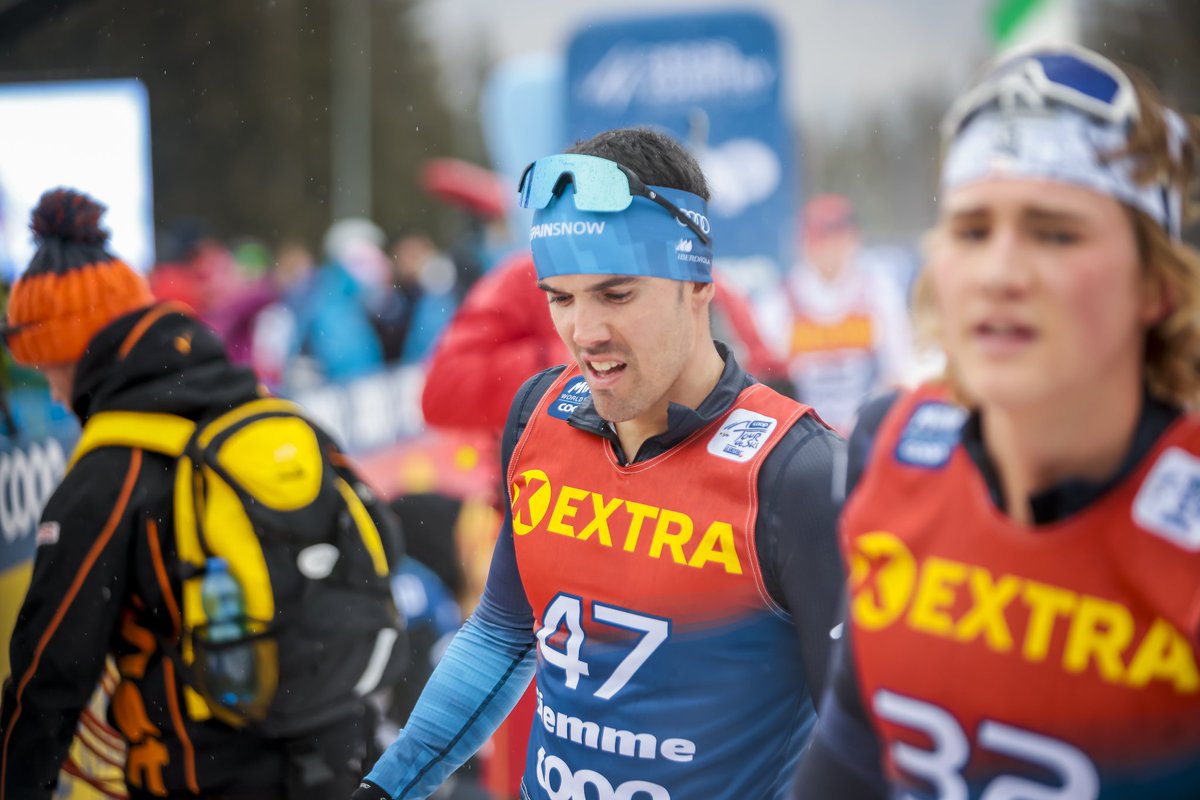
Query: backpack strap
159, 433
165, 433
265, 405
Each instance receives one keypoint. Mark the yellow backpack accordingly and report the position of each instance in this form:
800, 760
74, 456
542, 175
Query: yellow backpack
258, 487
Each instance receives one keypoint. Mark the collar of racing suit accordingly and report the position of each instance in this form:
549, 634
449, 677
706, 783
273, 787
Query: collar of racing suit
1072, 496
682, 421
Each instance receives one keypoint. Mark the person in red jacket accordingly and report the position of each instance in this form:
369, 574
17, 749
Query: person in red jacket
500, 335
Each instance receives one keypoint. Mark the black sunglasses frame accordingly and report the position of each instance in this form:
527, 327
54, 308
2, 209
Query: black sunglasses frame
637, 187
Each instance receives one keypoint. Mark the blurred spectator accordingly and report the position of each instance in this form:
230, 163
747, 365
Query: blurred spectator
201, 276
252, 259
849, 330
324, 317
275, 325
420, 302
733, 322
251, 290
482, 198
392, 312
119, 582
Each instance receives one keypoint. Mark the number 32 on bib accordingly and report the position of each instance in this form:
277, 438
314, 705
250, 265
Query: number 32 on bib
942, 765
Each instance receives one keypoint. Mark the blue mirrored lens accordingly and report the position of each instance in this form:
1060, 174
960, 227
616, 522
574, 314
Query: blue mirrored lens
599, 183
1067, 70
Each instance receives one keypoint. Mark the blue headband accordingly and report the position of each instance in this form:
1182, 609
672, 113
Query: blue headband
641, 240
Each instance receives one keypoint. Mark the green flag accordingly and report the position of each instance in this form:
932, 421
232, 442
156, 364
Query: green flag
1017, 22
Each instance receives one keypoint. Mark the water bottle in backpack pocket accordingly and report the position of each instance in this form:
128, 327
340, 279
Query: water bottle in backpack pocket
231, 663
227, 652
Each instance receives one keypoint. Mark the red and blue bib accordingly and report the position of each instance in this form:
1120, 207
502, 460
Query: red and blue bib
1003, 661
664, 670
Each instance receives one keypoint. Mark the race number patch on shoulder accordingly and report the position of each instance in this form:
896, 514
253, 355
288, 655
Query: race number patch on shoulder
1168, 504
741, 435
574, 393
930, 435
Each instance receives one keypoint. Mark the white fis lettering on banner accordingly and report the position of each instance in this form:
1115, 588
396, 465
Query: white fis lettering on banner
675, 72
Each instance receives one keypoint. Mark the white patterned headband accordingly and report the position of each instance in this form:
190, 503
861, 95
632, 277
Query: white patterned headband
1062, 114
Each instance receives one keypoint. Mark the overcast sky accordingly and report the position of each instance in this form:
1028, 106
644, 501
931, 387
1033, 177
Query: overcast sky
843, 57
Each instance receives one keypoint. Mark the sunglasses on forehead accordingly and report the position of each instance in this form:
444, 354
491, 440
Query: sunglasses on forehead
600, 185
1063, 76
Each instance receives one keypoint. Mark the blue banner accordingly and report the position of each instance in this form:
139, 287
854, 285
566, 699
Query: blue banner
714, 81
30, 470
32, 462
521, 111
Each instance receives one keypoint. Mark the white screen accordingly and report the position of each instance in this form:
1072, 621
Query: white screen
93, 136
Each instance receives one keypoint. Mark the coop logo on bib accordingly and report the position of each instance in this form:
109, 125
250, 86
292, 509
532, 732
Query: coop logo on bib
572, 395
560, 782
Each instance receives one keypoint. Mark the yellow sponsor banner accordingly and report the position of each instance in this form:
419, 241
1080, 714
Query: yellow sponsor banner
13, 583
852, 333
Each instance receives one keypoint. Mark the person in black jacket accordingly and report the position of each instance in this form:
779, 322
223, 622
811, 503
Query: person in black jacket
106, 579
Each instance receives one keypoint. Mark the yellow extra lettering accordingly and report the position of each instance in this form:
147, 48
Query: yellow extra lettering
640, 512
599, 523
717, 545
1046, 604
935, 595
672, 540
1166, 656
1100, 630
564, 510
987, 615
